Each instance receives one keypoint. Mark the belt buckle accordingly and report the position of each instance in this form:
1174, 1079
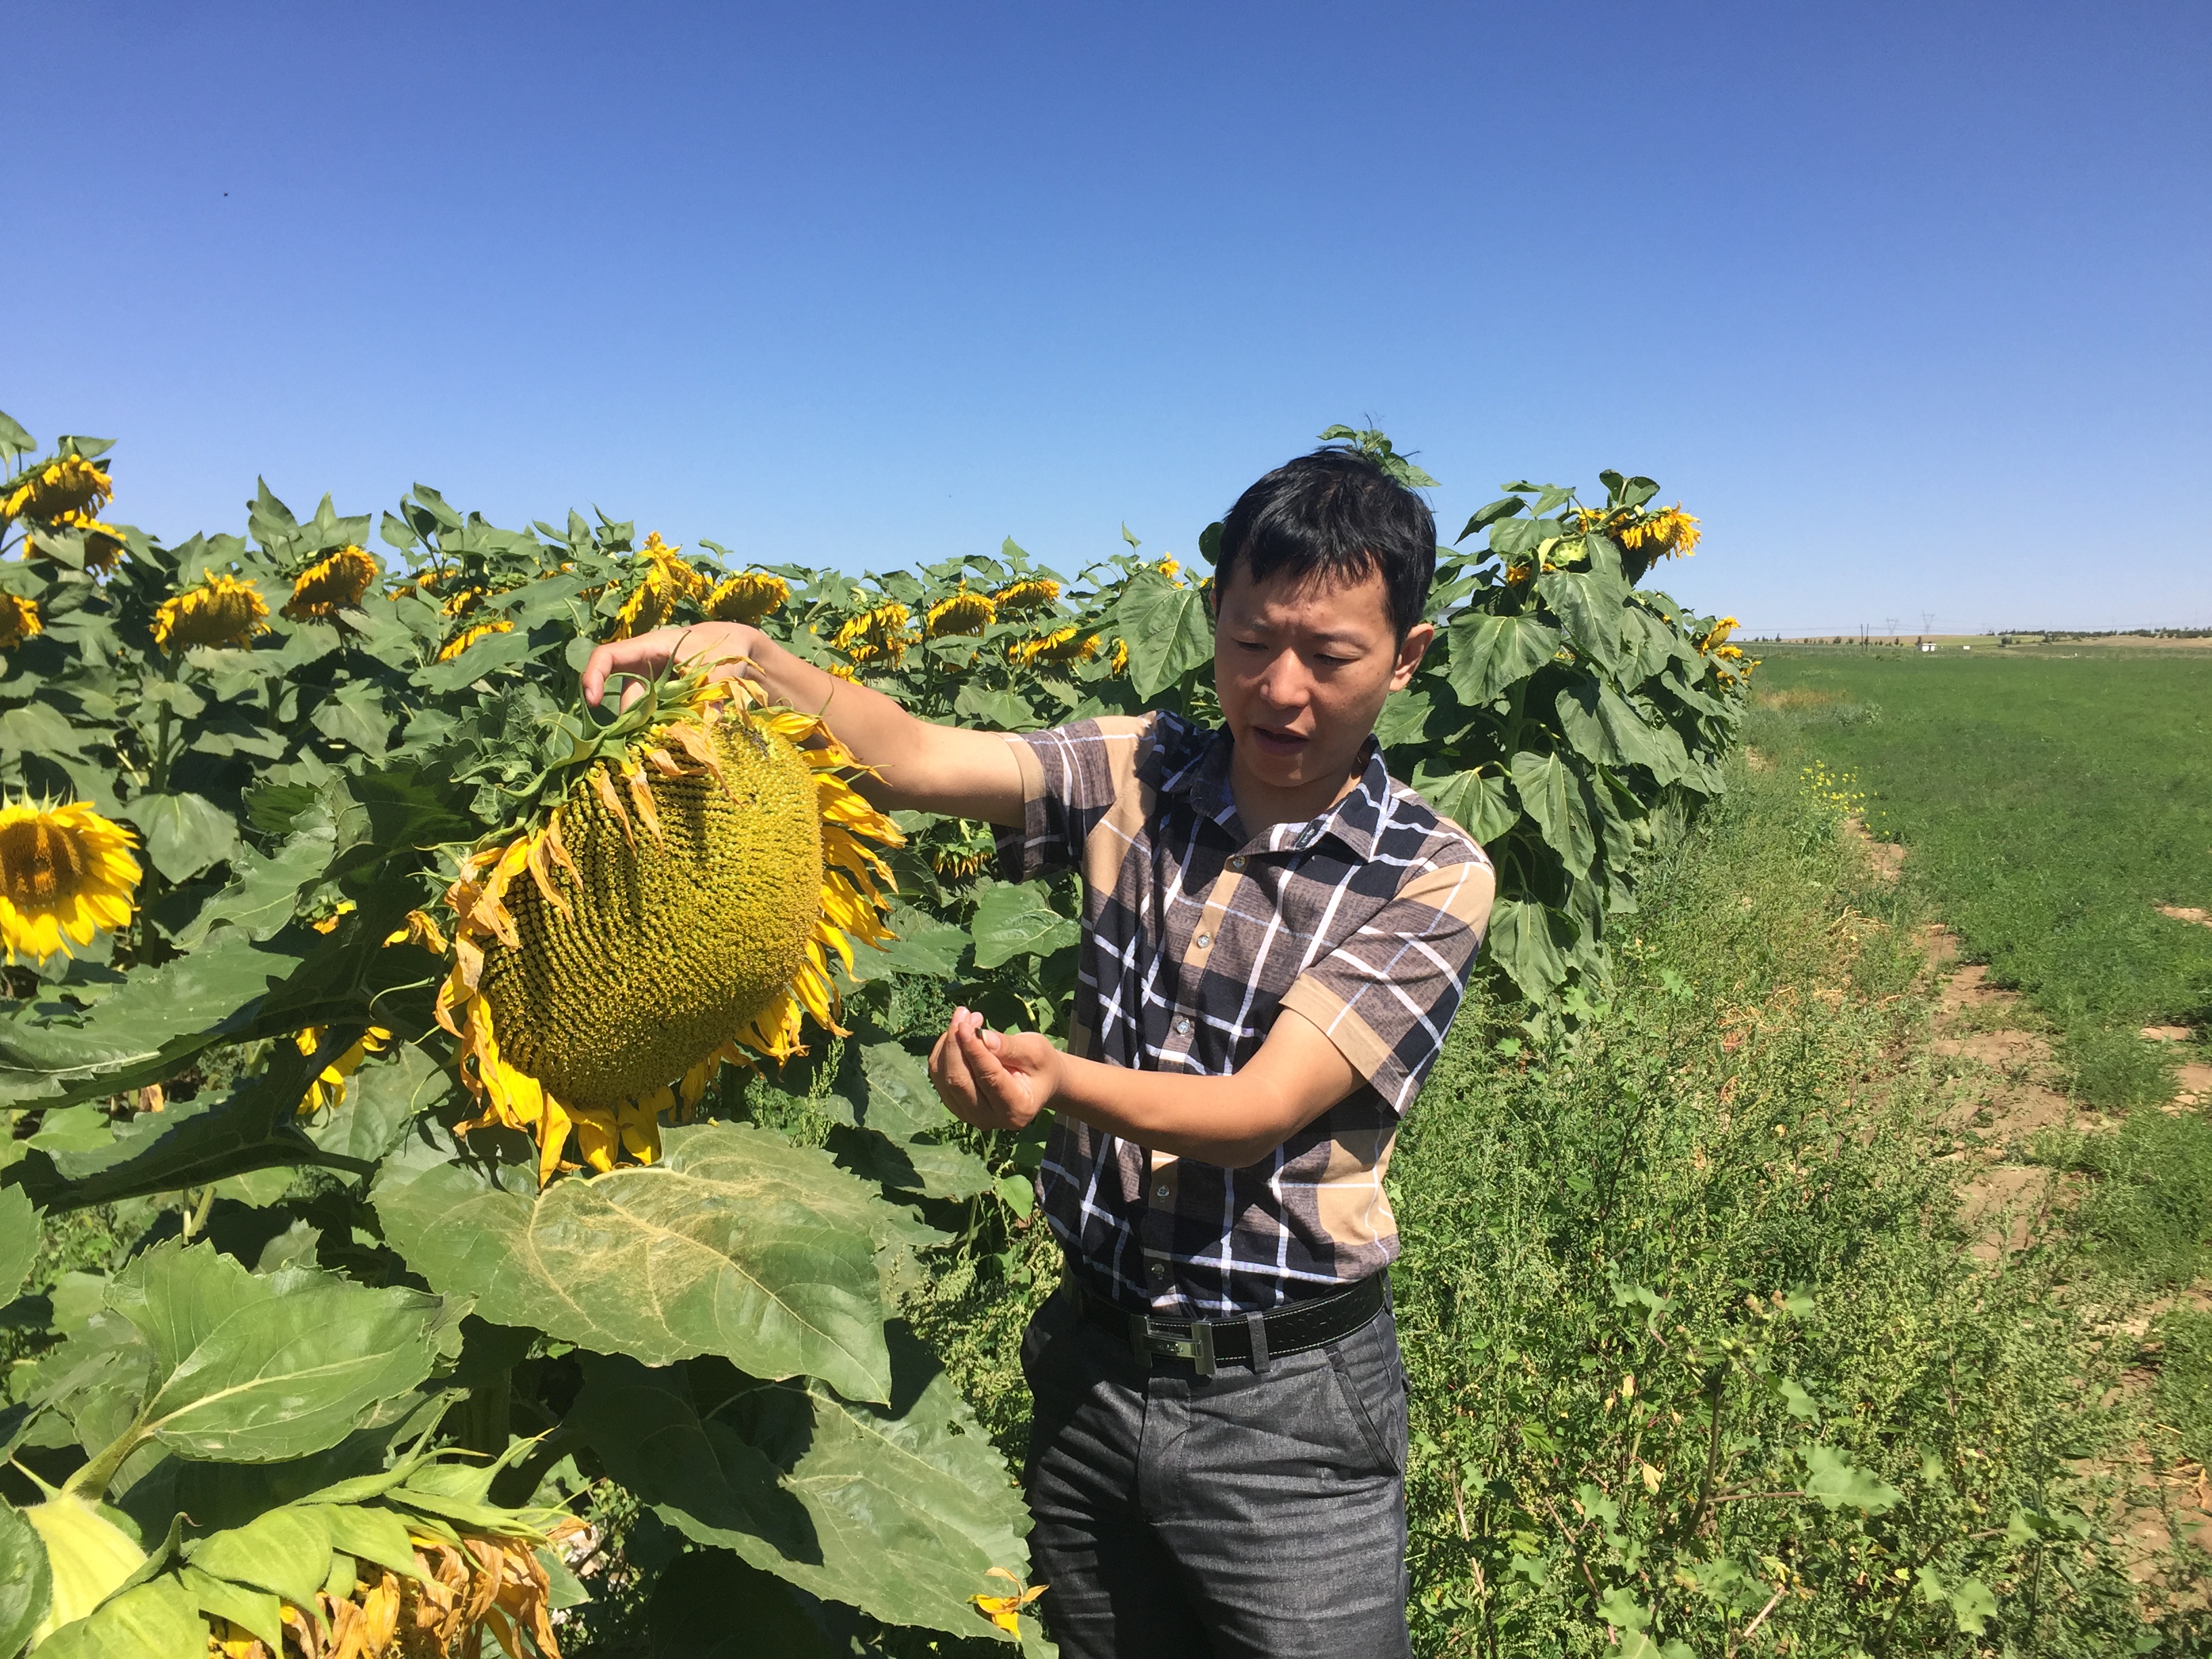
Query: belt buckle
1149, 1342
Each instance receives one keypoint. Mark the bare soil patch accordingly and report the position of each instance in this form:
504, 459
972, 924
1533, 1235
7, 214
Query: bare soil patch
2187, 913
1886, 857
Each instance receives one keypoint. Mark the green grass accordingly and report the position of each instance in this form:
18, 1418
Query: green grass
2050, 802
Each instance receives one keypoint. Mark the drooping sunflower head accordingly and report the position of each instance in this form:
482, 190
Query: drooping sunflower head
103, 543
677, 907
1062, 645
1117, 659
748, 597
963, 613
883, 632
68, 483
1028, 594
331, 584
66, 873
223, 610
1669, 533
468, 636
1717, 636
668, 582
19, 621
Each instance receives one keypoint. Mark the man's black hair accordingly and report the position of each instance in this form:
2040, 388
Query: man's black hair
1334, 516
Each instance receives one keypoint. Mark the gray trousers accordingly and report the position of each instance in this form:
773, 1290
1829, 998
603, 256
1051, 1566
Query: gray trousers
1242, 1515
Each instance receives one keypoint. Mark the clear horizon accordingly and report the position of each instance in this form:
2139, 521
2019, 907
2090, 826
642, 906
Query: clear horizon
1905, 303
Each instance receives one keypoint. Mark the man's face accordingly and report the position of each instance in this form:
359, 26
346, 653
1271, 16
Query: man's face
1301, 668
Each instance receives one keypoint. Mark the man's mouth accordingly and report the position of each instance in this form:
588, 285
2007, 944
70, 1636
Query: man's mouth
1269, 740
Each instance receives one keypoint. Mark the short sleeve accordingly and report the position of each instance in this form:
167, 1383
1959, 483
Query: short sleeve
1386, 997
1072, 777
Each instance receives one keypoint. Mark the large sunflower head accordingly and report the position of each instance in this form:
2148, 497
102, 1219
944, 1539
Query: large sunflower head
676, 907
223, 610
1030, 593
66, 873
19, 621
963, 613
331, 584
103, 543
68, 484
748, 597
1062, 645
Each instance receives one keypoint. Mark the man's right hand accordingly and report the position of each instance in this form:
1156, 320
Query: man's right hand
911, 762
725, 646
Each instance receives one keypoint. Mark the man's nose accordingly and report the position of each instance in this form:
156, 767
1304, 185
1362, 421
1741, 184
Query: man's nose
1284, 683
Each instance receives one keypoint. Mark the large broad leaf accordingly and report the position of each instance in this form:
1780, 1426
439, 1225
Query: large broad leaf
287, 1552
257, 1611
19, 1249
1552, 795
263, 891
381, 1099
652, 1438
1590, 604
907, 1507
194, 1144
26, 1580
254, 1370
902, 1103
487, 656
923, 945
912, 1166
184, 833
1167, 630
1000, 711
36, 729
144, 1029
1016, 918
1520, 942
155, 1620
713, 1604
1403, 714
1603, 727
357, 717
1648, 645
1830, 1477
1490, 653
1481, 804
737, 1243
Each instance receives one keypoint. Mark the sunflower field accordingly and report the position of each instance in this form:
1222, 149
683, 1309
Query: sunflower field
451, 1127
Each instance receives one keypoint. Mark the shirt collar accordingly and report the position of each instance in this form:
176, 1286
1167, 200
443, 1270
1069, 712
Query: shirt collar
1355, 821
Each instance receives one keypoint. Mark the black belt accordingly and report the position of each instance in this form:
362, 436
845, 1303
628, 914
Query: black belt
1252, 1340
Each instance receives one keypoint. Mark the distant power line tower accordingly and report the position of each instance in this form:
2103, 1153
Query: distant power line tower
1927, 622
1889, 626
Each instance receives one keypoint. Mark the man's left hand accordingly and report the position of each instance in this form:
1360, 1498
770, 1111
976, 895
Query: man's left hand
994, 1080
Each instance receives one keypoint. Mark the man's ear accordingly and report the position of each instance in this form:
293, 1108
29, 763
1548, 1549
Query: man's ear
1416, 643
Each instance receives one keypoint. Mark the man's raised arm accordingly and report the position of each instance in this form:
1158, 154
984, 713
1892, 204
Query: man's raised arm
918, 765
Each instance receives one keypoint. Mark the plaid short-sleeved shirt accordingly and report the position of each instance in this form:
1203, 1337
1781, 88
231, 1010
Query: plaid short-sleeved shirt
1366, 920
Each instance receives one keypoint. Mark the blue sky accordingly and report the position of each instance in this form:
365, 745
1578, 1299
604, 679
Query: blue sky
1907, 302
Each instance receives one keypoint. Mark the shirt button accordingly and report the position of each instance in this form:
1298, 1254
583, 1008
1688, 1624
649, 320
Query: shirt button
1159, 1269
1159, 1192
1183, 1027
1203, 940
1236, 863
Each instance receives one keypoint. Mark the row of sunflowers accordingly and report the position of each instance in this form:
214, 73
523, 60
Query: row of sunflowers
406, 1020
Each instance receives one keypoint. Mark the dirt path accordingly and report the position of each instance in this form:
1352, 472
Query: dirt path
2005, 1089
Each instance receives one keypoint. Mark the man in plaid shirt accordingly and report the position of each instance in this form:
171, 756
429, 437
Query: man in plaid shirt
1275, 939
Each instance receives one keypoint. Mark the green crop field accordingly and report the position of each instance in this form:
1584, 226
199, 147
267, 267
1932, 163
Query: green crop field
2050, 801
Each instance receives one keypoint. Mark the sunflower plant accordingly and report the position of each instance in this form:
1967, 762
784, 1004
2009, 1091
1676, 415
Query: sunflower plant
512, 1113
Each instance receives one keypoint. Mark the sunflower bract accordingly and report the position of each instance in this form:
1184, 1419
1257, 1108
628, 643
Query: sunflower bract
671, 943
